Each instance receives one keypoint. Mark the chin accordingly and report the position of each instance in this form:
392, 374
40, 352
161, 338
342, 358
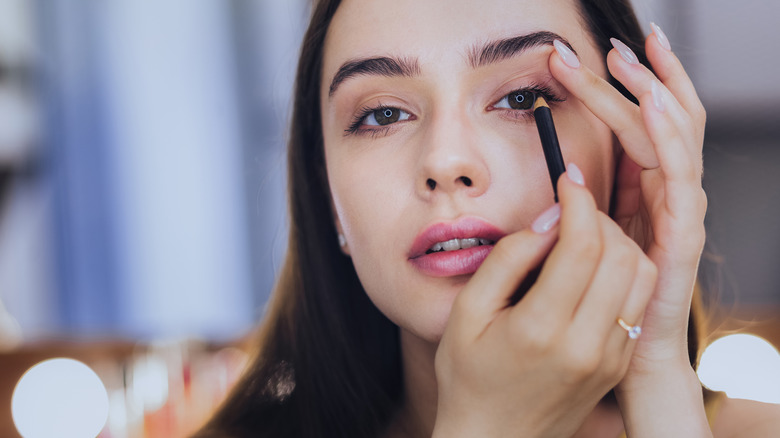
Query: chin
429, 325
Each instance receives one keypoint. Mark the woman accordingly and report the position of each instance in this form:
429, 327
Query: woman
420, 202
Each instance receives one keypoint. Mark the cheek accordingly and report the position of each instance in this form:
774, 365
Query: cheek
369, 194
374, 198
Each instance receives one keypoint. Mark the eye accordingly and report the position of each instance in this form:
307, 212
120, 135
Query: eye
376, 120
384, 116
519, 100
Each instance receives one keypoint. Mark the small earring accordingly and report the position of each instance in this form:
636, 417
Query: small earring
342, 240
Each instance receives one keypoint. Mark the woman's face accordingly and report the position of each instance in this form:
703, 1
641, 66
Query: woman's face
427, 139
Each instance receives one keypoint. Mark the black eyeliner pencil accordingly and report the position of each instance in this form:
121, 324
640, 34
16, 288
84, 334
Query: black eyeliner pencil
552, 151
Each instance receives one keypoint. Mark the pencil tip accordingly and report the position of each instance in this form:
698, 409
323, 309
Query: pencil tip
540, 102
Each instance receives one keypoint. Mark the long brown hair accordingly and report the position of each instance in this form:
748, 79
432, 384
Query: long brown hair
328, 362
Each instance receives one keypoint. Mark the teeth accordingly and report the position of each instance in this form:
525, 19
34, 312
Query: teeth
469, 243
451, 245
456, 244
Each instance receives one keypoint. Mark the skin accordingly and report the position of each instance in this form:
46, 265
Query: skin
472, 366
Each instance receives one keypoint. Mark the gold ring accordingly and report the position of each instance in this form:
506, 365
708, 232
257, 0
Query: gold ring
633, 330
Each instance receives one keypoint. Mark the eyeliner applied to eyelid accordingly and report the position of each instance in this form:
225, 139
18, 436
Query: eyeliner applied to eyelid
378, 129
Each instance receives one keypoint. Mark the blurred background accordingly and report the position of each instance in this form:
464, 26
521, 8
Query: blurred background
142, 179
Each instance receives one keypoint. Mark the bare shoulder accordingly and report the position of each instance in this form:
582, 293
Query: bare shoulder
746, 418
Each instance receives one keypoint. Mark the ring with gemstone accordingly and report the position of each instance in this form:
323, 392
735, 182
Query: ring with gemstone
633, 330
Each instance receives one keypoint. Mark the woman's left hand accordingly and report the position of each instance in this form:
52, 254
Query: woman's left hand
659, 200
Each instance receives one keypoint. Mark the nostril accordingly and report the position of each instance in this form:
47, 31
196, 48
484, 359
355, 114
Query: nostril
431, 184
466, 181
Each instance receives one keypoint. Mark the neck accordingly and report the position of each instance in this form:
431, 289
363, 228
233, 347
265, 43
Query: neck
417, 414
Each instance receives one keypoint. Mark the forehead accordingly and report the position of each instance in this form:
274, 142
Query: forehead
443, 31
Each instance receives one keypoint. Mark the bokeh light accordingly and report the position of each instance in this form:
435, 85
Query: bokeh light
60, 398
743, 366
150, 383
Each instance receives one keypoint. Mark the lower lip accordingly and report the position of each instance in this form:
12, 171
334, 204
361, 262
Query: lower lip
452, 263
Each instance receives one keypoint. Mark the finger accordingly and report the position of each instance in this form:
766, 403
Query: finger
682, 171
638, 80
572, 263
619, 345
491, 287
641, 292
608, 104
684, 199
671, 72
633, 309
611, 285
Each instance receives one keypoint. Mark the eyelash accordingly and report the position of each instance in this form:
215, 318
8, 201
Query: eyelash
357, 122
538, 90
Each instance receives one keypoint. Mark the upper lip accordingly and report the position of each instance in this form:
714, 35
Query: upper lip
463, 228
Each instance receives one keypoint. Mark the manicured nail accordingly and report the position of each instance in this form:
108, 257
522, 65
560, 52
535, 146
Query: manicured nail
575, 174
547, 220
661, 36
658, 97
627, 54
566, 54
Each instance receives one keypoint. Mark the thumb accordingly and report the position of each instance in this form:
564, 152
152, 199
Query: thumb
493, 286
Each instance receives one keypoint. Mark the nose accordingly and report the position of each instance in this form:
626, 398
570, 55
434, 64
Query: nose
451, 159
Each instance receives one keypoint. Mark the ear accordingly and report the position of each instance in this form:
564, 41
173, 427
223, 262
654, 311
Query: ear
342, 239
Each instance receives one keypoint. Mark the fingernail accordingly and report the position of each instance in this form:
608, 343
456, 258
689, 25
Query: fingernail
575, 174
627, 54
566, 54
658, 97
661, 36
547, 220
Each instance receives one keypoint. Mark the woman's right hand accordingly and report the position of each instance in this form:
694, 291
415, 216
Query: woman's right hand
538, 368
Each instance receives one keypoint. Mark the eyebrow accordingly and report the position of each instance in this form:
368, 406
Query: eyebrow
479, 56
380, 66
496, 51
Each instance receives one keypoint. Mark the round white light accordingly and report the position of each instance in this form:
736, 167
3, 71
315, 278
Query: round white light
743, 366
62, 398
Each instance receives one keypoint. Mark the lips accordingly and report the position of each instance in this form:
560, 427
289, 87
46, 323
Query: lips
456, 248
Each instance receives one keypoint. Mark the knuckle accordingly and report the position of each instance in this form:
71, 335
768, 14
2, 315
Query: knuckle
614, 368
694, 237
581, 362
588, 247
593, 81
503, 253
700, 114
508, 251
526, 334
703, 202
648, 271
625, 254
